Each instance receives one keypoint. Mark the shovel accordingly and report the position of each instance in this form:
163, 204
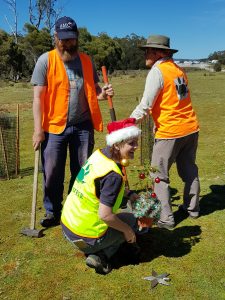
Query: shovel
32, 232
113, 115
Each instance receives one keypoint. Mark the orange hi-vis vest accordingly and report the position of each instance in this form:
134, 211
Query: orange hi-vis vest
56, 99
172, 112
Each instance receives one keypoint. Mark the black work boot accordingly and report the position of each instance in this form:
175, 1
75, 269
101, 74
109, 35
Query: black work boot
50, 220
99, 262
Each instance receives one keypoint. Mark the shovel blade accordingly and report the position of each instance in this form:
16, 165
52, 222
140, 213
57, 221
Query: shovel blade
32, 232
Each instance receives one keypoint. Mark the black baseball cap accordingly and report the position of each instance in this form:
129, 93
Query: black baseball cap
66, 28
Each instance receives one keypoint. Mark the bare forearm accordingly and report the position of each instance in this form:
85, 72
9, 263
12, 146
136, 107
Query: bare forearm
38, 135
37, 115
153, 86
113, 221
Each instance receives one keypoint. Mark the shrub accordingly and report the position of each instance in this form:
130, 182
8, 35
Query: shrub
217, 67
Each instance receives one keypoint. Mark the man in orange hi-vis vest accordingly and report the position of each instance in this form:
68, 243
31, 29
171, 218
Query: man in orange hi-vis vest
66, 112
167, 98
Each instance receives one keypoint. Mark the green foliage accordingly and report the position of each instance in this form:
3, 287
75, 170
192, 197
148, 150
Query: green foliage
133, 57
85, 39
217, 67
105, 51
12, 58
4, 47
36, 42
114, 53
218, 55
18, 60
144, 176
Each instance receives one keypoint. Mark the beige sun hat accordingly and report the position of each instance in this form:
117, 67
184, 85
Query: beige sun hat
158, 41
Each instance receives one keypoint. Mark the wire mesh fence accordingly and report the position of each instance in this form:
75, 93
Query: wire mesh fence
9, 145
147, 139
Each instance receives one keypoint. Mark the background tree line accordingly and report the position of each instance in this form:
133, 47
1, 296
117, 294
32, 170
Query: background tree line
17, 58
19, 52
220, 57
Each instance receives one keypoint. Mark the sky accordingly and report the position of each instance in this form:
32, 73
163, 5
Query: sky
195, 27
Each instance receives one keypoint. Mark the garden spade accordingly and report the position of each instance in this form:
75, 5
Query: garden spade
113, 115
32, 232
110, 103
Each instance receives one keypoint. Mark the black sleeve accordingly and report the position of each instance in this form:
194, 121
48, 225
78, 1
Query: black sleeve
110, 186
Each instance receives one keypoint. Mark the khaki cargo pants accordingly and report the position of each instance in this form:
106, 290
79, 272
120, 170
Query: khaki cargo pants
181, 151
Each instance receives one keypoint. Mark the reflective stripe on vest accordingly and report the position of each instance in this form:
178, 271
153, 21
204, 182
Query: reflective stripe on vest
80, 211
56, 100
172, 112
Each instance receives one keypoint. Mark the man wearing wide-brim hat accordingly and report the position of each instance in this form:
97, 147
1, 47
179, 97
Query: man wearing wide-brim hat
167, 98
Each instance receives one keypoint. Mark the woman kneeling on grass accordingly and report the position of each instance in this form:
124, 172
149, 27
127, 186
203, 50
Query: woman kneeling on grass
89, 218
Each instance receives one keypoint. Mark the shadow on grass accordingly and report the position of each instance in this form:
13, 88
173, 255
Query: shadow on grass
173, 193
158, 242
179, 215
208, 203
29, 171
213, 201
175, 243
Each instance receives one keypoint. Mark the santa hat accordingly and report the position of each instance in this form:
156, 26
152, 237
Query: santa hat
119, 131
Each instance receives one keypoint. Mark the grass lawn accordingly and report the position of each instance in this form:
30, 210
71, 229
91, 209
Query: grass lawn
193, 253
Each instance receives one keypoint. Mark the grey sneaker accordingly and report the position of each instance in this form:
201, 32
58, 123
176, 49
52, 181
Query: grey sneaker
99, 263
194, 215
165, 226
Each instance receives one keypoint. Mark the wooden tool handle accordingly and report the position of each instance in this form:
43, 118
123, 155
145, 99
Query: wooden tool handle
35, 189
111, 108
113, 115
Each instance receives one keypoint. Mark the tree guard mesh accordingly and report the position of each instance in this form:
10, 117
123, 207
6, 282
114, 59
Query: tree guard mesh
9, 146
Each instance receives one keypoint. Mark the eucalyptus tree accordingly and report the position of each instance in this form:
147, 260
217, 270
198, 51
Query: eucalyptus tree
105, 51
35, 43
12, 5
43, 12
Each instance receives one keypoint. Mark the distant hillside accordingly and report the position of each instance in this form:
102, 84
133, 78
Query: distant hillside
217, 55
182, 60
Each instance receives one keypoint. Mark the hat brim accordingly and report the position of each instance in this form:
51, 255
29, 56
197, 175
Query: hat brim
63, 35
143, 47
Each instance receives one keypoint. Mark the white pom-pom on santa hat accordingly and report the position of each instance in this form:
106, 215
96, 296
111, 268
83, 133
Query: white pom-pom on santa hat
119, 131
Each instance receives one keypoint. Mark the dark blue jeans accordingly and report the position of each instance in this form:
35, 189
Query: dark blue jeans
80, 140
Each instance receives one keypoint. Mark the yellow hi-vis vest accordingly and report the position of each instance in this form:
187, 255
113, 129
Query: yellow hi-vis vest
80, 211
172, 112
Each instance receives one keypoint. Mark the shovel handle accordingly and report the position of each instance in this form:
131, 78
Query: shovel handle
111, 108
35, 189
113, 115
